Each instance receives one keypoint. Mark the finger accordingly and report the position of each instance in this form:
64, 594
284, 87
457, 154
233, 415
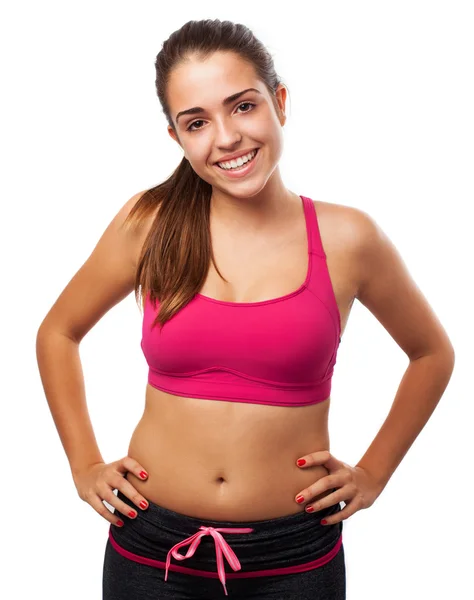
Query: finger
349, 509
115, 481
338, 495
322, 457
129, 464
315, 458
127, 489
96, 502
327, 482
106, 492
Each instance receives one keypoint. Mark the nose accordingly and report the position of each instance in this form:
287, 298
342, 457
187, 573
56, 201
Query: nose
227, 135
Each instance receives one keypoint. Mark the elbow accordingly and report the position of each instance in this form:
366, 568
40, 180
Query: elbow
449, 355
47, 330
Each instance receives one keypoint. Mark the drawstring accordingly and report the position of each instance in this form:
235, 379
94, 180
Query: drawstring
221, 547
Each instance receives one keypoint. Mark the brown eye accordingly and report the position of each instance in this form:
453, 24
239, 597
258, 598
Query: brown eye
246, 104
193, 123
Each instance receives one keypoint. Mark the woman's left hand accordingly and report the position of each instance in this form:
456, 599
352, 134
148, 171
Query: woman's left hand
354, 486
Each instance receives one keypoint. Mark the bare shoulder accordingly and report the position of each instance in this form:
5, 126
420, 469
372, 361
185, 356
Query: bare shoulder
341, 226
342, 229
383, 282
106, 277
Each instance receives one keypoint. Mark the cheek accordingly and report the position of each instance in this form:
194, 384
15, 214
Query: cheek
268, 129
197, 156
274, 145
199, 163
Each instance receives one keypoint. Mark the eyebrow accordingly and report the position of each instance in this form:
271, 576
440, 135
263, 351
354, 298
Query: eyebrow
228, 100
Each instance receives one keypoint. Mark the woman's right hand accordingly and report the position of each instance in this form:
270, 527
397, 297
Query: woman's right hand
97, 482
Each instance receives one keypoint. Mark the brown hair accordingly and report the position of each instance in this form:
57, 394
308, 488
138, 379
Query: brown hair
174, 260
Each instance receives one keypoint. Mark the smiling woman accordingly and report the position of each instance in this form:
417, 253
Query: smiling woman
233, 445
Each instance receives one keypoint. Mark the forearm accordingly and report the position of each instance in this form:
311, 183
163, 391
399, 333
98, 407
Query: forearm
61, 374
418, 394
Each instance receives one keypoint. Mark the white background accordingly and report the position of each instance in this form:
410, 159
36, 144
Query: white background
380, 118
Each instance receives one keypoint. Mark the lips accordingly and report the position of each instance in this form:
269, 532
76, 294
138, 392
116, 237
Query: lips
242, 166
242, 172
237, 157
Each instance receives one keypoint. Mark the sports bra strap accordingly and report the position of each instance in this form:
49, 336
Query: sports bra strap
315, 243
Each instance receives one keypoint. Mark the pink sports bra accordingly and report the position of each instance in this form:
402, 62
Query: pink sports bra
280, 352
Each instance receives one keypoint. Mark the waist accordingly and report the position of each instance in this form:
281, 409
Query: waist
221, 460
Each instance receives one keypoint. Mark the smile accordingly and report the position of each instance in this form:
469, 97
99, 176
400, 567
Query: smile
242, 170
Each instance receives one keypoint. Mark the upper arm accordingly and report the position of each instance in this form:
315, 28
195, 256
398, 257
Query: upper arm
106, 278
388, 290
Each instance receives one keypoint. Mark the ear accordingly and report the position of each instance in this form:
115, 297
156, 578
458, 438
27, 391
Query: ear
280, 96
173, 135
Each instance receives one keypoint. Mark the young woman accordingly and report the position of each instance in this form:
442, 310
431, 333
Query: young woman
229, 486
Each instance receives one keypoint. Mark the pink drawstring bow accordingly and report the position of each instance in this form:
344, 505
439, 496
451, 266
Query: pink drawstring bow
221, 547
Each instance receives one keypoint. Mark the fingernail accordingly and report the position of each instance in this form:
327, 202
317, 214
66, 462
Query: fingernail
143, 474
324, 522
300, 462
120, 523
309, 509
300, 499
131, 513
143, 504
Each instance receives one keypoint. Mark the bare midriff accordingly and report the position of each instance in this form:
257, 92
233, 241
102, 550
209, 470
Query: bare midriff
224, 460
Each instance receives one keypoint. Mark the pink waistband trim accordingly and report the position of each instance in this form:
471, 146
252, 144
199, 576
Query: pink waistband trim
222, 547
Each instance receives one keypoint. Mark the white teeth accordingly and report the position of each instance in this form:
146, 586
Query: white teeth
234, 164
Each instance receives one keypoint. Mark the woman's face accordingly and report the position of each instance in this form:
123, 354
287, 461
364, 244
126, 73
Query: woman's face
242, 124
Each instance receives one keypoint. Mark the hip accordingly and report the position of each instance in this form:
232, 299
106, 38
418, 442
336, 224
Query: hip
283, 545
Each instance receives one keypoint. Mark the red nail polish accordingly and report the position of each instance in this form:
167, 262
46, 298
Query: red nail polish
300, 462
120, 523
324, 522
143, 504
143, 474
300, 499
309, 509
131, 514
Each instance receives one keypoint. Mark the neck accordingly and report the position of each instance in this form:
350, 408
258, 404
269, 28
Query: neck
266, 209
